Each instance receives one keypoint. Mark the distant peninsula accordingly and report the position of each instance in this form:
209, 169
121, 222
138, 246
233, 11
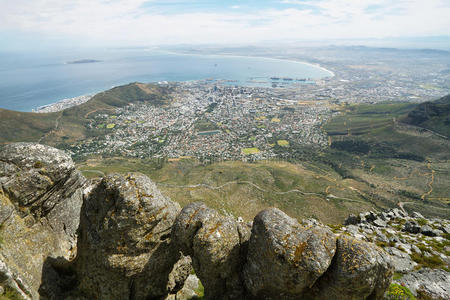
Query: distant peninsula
83, 61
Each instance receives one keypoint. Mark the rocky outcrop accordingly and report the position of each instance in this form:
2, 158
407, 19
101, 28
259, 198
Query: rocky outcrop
434, 284
217, 246
359, 271
124, 249
284, 258
413, 242
134, 243
40, 199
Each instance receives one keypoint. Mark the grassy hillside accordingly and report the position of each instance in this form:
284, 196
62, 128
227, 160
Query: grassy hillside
18, 126
244, 189
402, 163
433, 115
71, 124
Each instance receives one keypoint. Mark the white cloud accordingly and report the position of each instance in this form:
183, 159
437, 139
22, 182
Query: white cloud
125, 22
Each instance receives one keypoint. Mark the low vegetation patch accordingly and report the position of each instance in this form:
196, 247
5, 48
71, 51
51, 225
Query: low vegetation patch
399, 292
283, 143
248, 151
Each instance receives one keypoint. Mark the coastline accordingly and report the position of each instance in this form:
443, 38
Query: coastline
322, 72
258, 57
63, 104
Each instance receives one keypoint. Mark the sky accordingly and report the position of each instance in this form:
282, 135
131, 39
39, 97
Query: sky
122, 23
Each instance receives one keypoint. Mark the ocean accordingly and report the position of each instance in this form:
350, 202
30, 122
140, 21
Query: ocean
30, 80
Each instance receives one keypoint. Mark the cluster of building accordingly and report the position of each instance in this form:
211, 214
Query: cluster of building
210, 121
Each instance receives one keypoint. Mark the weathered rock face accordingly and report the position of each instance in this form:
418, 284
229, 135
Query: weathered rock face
359, 271
435, 284
217, 246
285, 259
124, 249
41, 196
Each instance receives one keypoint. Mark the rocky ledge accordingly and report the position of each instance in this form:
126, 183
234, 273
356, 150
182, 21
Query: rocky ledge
63, 237
419, 247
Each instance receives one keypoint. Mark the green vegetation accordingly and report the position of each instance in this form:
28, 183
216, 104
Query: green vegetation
10, 294
205, 125
283, 143
248, 151
399, 292
432, 115
432, 262
18, 126
422, 222
373, 146
244, 189
71, 124
200, 291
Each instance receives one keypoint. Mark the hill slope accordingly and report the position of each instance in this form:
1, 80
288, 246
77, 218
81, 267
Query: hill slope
433, 115
70, 124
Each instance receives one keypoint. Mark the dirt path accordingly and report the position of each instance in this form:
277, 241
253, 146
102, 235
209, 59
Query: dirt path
53, 130
258, 188
430, 184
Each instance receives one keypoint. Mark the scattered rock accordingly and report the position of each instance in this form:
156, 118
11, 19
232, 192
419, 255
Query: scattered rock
417, 215
285, 259
379, 222
352, 220
445, 228
411, 227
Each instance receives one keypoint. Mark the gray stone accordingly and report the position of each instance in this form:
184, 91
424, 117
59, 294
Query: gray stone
367, 216
354, 231
379, 222
382, 238
41, 196
445, 228
401, 261
434, 283
217, 246
428, 231
417, 215
359, 270
180, 272
416, 249
411, 227
352, 220
124, 248
284, 258
403, 265
188, 291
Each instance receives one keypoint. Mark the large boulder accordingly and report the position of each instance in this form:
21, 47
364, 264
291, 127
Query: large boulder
217, 246
360, 270
124, 249
40, 200
284, 258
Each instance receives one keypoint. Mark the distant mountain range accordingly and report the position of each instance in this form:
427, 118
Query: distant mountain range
432, 115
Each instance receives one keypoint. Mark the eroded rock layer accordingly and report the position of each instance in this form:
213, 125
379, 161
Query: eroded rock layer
41, 195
